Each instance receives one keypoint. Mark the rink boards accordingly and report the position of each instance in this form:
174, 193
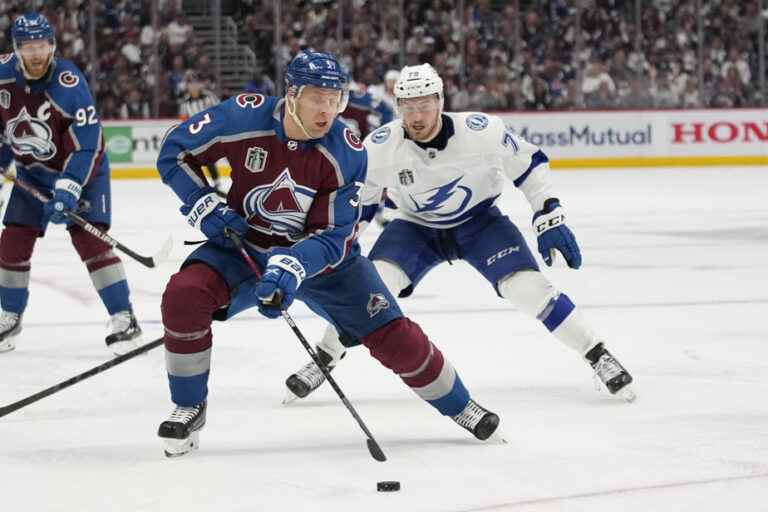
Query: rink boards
573, 140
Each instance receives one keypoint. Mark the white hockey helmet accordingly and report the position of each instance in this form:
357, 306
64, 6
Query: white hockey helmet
418, 81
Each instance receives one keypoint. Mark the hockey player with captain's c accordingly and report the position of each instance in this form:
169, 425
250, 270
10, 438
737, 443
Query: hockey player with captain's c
444, 171
52, 132
297, 172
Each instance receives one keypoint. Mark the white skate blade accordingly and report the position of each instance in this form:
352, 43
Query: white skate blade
119, 348
7, 344
496, 438
290, 397
179, 447
627, 394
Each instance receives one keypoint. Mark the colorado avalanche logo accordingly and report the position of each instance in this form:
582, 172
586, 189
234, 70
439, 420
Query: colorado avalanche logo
28, 135
5, 58
444, 201
249, 100
377, 303
68, 79
352, 140
280, 207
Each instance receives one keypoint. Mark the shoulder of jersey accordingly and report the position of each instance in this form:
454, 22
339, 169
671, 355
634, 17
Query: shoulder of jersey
482, 131
343, 144
7, 64
474, 122
67, 75
249, 110
385, 135
67, 85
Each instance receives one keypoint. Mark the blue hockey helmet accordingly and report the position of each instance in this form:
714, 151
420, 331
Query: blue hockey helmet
319, 70
31, 26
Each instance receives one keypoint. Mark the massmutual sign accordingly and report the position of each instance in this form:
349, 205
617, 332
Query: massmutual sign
647, 138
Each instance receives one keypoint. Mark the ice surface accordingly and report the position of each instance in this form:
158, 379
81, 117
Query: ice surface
674, 279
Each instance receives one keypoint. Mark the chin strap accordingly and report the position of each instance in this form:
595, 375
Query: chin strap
290, 107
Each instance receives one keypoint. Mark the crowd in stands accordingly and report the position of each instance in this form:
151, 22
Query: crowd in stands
520, 54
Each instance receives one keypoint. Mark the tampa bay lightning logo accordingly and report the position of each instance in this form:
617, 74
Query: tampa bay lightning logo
444, 201
30, 136
380, 135
279, 207
477, 122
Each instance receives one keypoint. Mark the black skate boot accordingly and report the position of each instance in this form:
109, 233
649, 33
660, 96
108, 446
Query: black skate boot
10, 327
181, 431
308, 378
610, 372
126, 333
478, 420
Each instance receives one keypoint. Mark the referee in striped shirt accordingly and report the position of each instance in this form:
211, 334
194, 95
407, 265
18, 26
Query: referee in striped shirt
196, 99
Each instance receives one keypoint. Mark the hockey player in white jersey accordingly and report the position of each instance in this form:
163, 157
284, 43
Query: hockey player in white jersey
445, 172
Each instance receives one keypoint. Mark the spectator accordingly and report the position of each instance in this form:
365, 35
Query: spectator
134, 106
691, 97
639, 95
598, 86
178, 32
663, 93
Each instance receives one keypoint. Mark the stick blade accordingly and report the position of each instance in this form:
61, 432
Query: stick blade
165, 251
375, 450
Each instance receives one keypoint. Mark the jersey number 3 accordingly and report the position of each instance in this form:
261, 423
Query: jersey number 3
195, 128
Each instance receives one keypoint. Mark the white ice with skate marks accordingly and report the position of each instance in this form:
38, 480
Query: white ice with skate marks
675, 266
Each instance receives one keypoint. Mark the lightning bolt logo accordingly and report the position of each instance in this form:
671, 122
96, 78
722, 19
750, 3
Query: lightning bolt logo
439, 197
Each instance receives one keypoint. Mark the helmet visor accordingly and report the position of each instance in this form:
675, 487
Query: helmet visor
423, 104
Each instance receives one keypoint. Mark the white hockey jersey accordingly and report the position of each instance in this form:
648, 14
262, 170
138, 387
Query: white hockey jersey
444, 188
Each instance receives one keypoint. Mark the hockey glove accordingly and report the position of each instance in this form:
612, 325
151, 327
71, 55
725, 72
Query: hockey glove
212, 217
281, 279
66, 194
553, 234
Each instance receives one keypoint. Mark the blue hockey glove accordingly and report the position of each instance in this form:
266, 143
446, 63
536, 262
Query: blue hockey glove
211, 216
66, 194
553, 234
278, 285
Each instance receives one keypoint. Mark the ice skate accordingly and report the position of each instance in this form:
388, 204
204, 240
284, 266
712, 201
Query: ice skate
611, 373
125, 335
181, 431
10, 327
308, 378
481, 422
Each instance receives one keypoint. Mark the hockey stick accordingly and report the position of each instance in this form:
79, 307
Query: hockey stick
147, 261
373, 446
15, 406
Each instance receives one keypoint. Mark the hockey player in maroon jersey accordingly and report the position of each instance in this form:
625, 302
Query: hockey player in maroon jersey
295, 199
51, 129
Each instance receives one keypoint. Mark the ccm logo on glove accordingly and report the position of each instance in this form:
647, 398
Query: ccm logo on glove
546, 222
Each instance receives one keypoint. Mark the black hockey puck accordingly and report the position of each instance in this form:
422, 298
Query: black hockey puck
388, 486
